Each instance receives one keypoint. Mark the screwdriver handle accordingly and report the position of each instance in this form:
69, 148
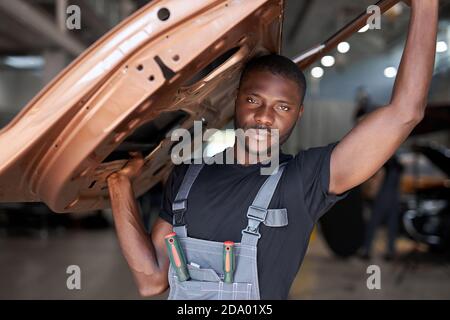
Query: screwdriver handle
228, 261
176, 256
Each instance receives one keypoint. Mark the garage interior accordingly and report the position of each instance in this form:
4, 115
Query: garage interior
37, 245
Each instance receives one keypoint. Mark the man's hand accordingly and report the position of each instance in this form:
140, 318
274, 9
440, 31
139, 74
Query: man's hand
376, 137
132, 168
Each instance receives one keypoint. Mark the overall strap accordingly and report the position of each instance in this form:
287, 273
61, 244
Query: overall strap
257, 212
179, 205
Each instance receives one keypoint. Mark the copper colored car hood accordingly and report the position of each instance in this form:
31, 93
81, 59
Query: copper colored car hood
170, 63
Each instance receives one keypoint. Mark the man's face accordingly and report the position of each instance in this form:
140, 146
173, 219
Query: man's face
267, 101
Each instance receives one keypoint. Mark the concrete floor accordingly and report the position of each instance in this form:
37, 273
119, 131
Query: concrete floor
414, 274
35, 268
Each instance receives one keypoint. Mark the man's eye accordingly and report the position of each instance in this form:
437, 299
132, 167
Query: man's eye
251, 100
284, 108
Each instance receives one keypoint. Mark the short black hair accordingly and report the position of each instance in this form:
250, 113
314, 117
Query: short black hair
279, 65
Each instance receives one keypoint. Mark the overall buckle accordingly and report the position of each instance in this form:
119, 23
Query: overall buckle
179, 208
256, 215
255, 232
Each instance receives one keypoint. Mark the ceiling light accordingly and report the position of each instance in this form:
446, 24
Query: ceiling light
441, 46
343, 47
317, 72
364, 29
390, 72
327, 61
24, 62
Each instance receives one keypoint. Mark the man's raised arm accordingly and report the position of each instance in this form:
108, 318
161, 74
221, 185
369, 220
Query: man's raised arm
376, 137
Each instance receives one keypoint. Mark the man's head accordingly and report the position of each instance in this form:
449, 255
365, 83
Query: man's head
270, 96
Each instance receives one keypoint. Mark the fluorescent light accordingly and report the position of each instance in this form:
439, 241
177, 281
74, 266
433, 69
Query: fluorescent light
364, 29
24, 62
327, 61
441, 46
343, 47
390, 72
317, 72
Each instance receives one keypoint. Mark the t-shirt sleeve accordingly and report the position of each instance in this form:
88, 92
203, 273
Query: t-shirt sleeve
171, 187
314, 166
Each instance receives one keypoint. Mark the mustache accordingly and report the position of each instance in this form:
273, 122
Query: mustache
259, 127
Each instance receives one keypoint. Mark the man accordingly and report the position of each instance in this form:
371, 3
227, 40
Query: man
385, 204
270, 96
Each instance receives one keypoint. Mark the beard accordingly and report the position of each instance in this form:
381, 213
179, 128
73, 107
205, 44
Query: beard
257, 147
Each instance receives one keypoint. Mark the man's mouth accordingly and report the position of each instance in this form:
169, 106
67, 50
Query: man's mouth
259, 134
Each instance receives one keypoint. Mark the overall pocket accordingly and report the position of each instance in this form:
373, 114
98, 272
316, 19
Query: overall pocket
206, 284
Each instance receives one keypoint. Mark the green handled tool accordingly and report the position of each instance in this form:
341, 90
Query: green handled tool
176, 256
228, 261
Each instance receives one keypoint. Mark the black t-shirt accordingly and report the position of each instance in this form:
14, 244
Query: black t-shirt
219, 199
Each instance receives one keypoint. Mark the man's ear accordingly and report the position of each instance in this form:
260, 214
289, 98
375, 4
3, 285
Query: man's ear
300, 113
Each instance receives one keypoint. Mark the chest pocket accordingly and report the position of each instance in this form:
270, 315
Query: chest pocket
276, 218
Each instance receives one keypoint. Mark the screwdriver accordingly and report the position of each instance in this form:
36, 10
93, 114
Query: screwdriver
176, 256
228, 261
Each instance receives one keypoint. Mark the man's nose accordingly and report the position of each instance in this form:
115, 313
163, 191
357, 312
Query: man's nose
264, 116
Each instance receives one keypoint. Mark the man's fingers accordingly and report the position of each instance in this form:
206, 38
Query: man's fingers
133, 166
135, 154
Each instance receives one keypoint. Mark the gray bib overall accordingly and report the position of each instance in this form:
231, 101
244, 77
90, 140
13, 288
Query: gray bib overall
205, 258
